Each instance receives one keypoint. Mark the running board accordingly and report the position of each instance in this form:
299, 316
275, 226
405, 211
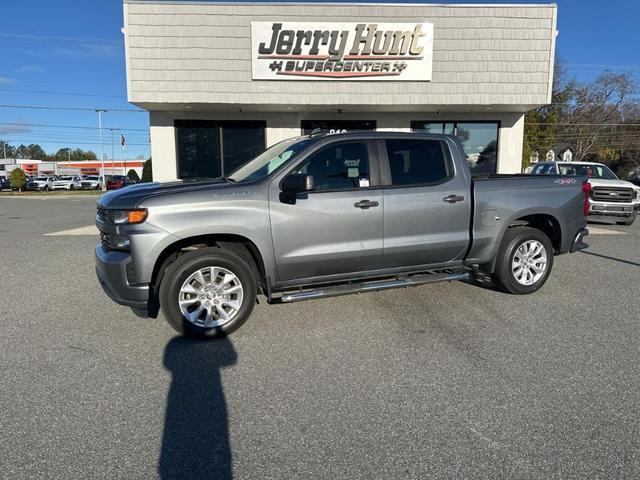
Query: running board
369, 286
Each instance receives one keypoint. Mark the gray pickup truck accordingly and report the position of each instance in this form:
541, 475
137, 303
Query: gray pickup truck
330, 214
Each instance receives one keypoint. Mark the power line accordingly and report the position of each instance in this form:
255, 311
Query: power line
43, 92
20, 124
61, 39
83, 109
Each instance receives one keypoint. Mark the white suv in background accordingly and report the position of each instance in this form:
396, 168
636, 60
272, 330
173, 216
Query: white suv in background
610, 197
92, 182
68, 182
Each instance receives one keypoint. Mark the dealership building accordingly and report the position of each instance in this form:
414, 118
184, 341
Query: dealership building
224, 80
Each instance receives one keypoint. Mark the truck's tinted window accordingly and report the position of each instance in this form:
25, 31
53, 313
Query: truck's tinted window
414, 162
339, 167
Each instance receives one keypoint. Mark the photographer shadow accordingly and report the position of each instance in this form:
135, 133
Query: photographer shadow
195, 442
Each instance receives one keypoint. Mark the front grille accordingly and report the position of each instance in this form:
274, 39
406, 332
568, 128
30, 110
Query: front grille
105, 215
612, 194
86, 184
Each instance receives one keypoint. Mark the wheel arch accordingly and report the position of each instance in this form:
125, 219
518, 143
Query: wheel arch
546, 222
238, 244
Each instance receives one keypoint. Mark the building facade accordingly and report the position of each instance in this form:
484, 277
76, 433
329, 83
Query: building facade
222, 81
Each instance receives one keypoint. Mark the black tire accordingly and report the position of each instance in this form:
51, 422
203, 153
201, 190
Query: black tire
628, 221
183, 267
512, 240
46, 188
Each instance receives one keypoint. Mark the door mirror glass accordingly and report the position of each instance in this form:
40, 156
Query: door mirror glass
298, 182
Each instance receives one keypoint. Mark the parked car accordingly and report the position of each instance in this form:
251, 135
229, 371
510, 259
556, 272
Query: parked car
92, 182
324, 215
611, 197
41, 183
118, 181
5, 183
67, 182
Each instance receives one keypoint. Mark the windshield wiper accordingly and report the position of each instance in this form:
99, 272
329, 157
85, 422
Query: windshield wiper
229, 179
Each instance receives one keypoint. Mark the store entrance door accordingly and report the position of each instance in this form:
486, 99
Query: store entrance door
336, 126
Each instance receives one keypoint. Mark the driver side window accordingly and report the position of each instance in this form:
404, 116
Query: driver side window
343, 166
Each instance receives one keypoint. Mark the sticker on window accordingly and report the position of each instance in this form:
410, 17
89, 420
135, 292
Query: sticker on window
353, 173
364, 182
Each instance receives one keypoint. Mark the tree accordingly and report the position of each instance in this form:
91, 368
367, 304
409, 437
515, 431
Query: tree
17, 178
133, 175
542, 124
147, 172
22, 151
36, 152
594, 106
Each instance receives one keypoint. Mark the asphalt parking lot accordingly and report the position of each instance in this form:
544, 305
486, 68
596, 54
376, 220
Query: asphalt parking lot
440, 381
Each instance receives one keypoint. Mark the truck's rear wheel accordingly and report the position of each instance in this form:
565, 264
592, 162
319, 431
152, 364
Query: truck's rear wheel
207, 293
525, 259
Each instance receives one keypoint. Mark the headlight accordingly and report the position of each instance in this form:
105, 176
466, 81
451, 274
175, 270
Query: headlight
128, 216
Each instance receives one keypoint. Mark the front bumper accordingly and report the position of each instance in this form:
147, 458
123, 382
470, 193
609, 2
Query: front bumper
578, 244
624, 210
111, 269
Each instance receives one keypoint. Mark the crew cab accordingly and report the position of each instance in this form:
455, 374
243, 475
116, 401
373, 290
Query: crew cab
611, 197
330, 214
41, 183
92, 182
67, 182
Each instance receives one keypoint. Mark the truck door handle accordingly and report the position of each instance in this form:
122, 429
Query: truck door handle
453, 198
364, 204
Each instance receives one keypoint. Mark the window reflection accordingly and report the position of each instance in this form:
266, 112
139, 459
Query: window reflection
213, 148
479, 139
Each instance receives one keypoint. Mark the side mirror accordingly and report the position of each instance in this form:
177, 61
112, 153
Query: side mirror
293, 184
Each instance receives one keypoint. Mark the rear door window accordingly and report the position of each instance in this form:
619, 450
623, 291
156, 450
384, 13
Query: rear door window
417, 162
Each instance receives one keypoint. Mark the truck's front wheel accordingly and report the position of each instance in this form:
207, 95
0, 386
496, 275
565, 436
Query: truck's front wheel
524, 260
207, 293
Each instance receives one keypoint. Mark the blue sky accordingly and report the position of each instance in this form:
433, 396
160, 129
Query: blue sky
69, 53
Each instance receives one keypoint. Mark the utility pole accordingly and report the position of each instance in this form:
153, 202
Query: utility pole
4, 146
104, 180
111, 130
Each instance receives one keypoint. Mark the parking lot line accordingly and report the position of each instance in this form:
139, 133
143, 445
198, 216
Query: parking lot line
604, 231
88, 230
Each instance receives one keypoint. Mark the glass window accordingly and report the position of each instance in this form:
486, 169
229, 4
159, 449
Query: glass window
479, 139
309, 126
214, 148
198, 146
269, 160
241, 141
339, 167
590, 170
415, 162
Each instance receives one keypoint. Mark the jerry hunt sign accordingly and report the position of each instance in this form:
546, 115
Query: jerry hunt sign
341, 51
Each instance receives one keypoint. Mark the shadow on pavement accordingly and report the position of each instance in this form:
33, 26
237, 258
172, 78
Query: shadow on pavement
628, 262
195, 443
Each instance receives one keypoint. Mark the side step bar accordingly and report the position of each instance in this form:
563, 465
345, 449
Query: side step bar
369, 286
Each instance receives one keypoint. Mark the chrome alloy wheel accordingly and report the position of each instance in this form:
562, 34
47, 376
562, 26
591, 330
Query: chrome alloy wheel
210, 297
529, 262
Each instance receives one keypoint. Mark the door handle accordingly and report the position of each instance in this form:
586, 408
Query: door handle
364, 204
453, 198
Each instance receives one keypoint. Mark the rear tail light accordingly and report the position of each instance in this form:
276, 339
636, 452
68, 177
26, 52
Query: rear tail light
586, 188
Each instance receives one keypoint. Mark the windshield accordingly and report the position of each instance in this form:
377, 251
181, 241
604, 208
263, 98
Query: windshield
593, 170
41, 179
269, 160
92, 177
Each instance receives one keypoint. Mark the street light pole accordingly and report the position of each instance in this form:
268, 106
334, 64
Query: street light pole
104, 180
